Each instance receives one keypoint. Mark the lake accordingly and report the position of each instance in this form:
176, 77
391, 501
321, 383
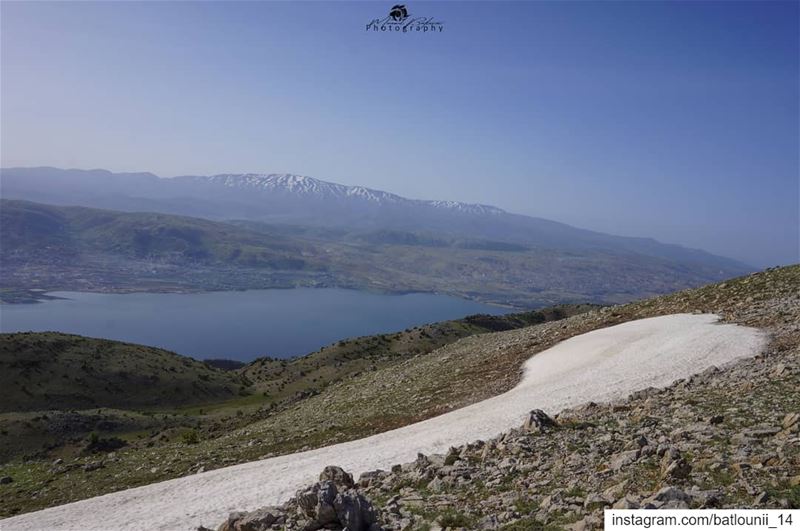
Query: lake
240, 325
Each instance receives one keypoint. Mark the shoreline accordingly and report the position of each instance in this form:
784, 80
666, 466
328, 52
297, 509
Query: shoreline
38, 295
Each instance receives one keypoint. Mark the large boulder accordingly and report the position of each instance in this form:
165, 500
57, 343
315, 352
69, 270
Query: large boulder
334, 503
316, 503
355, 512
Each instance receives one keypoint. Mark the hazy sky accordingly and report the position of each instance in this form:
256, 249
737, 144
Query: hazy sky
675, 120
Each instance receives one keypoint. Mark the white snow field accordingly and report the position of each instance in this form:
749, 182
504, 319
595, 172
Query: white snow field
603, 365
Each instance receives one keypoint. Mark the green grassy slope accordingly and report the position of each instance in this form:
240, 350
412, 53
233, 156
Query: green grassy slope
27, 227
63, 387
51, 370
280, 379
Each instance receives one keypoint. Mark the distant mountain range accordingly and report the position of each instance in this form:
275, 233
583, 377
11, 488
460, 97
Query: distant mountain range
230, 191
298, 200
263, 231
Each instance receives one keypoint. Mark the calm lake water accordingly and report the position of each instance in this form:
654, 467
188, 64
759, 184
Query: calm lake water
240, 325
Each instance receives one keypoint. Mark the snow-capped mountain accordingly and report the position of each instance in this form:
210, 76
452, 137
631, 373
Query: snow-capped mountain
467, 208
298, 200
299, 185
303, 186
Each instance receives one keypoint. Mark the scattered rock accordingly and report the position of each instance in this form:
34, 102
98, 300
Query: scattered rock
670, 494
337, 476
623, 459
626, 503
259, 520
370, 478
538, 422
677, 469
616, 491
89, 467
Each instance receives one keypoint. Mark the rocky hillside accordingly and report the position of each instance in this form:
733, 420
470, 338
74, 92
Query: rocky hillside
513, 481
729, 437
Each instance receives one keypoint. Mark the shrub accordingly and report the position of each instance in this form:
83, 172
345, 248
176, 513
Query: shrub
191, 437
451, 518
103, 444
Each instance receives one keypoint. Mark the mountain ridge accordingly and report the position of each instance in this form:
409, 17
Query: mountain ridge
302, 200
50, 247
292, 182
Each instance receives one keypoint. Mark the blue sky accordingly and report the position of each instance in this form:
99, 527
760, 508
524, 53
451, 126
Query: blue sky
676, 120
